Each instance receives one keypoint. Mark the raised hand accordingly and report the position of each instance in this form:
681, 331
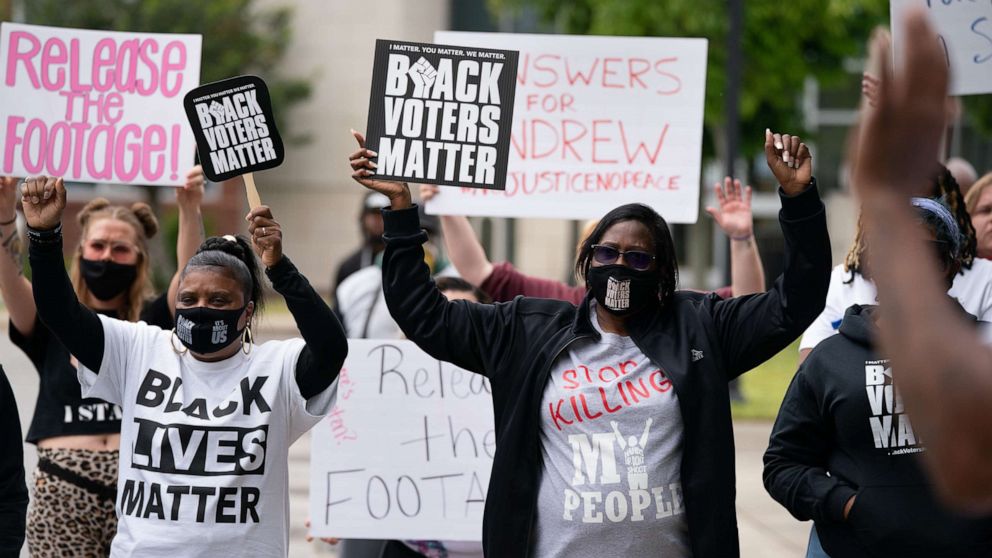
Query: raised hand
428, 191
266, 235
8, 198
900, 139
734, 215
363, 168
789, 160
869, 88
43, 199
190, 194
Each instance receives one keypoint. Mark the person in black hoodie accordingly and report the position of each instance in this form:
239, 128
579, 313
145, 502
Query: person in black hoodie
613, 427
13, 492
844, 453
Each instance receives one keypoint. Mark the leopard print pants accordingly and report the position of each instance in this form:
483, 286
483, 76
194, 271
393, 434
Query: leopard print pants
66, 519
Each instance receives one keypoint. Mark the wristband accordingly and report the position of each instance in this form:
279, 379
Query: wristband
45, 236
742, 238
12, 220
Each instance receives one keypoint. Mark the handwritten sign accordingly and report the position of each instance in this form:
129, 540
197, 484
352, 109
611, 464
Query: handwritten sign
441, 114
234, 127
965, 29
406, 452
96, 106
598, 122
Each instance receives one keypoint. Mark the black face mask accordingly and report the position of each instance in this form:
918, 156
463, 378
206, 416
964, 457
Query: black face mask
622, 290
207, 330
107, 279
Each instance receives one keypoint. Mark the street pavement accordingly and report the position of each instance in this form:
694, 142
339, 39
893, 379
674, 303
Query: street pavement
766, 529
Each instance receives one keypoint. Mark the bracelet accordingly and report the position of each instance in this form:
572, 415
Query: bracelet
742, 238
51, 236
12, 220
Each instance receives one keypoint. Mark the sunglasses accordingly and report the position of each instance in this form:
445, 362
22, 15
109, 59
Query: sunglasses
635, 259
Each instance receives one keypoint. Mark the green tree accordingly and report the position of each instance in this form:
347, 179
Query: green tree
238, 37
783, 43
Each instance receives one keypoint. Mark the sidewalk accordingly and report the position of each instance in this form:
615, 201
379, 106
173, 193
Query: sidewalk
766, 529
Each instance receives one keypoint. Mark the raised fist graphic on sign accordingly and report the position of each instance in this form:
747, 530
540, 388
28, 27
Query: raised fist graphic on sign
422, 74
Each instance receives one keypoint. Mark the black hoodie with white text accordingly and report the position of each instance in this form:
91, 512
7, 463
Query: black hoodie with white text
842, 431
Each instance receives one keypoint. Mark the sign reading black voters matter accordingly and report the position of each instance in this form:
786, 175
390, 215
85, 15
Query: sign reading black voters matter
235, 131
441, 114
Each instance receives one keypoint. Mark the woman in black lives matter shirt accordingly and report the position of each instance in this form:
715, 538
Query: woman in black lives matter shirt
208, 416
72, 508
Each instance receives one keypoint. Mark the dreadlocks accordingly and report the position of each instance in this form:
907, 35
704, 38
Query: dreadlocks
943, 186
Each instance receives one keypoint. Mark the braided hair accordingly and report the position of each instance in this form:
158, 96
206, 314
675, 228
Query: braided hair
944, 187
234, 257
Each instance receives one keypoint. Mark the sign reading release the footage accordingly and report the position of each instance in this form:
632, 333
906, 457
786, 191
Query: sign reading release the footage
406, 452
96, 106
598, 122
235, 131
441, 114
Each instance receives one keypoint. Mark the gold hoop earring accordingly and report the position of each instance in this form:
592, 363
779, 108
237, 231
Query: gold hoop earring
172, 338
247, 341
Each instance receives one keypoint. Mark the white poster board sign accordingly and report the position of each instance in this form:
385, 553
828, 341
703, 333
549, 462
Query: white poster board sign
96, 106
598, 122
407, 451
965, 29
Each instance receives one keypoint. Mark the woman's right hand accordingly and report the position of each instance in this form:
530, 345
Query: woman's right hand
364, 171
43, 199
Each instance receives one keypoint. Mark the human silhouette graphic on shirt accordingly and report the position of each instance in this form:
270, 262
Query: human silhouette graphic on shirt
633, 456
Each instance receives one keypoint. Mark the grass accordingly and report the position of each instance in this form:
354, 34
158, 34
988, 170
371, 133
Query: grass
764, 387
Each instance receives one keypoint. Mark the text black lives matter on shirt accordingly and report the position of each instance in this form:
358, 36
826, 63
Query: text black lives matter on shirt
199, 451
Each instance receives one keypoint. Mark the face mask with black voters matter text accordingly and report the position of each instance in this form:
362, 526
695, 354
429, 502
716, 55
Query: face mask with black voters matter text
622, 290
106, 279
205, 330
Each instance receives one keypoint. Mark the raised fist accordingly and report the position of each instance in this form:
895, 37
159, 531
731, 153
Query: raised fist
43, 199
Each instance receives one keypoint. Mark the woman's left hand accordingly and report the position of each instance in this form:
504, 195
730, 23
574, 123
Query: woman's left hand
266, 235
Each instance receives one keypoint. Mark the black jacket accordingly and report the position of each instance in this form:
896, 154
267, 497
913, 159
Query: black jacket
841, 416
515, 344
13, 492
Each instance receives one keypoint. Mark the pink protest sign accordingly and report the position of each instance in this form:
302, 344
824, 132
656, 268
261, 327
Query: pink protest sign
96, 106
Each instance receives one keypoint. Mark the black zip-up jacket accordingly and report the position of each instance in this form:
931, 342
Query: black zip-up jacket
699, 340
842, 416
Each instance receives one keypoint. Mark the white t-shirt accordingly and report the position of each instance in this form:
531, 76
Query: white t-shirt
362, 305
972, 289
204, 445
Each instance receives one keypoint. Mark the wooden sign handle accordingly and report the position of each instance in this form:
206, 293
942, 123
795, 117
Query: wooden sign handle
253, 199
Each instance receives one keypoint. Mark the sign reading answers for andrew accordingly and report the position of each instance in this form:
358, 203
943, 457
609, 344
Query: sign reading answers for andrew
441, 114
407, 450
235, 131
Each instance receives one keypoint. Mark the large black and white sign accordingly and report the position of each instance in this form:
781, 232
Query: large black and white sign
442, 114
235, 131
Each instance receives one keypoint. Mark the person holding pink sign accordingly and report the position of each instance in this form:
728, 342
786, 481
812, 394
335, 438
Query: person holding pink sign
72, 507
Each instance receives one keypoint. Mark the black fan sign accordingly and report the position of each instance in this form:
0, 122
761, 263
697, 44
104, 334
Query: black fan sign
234, 127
